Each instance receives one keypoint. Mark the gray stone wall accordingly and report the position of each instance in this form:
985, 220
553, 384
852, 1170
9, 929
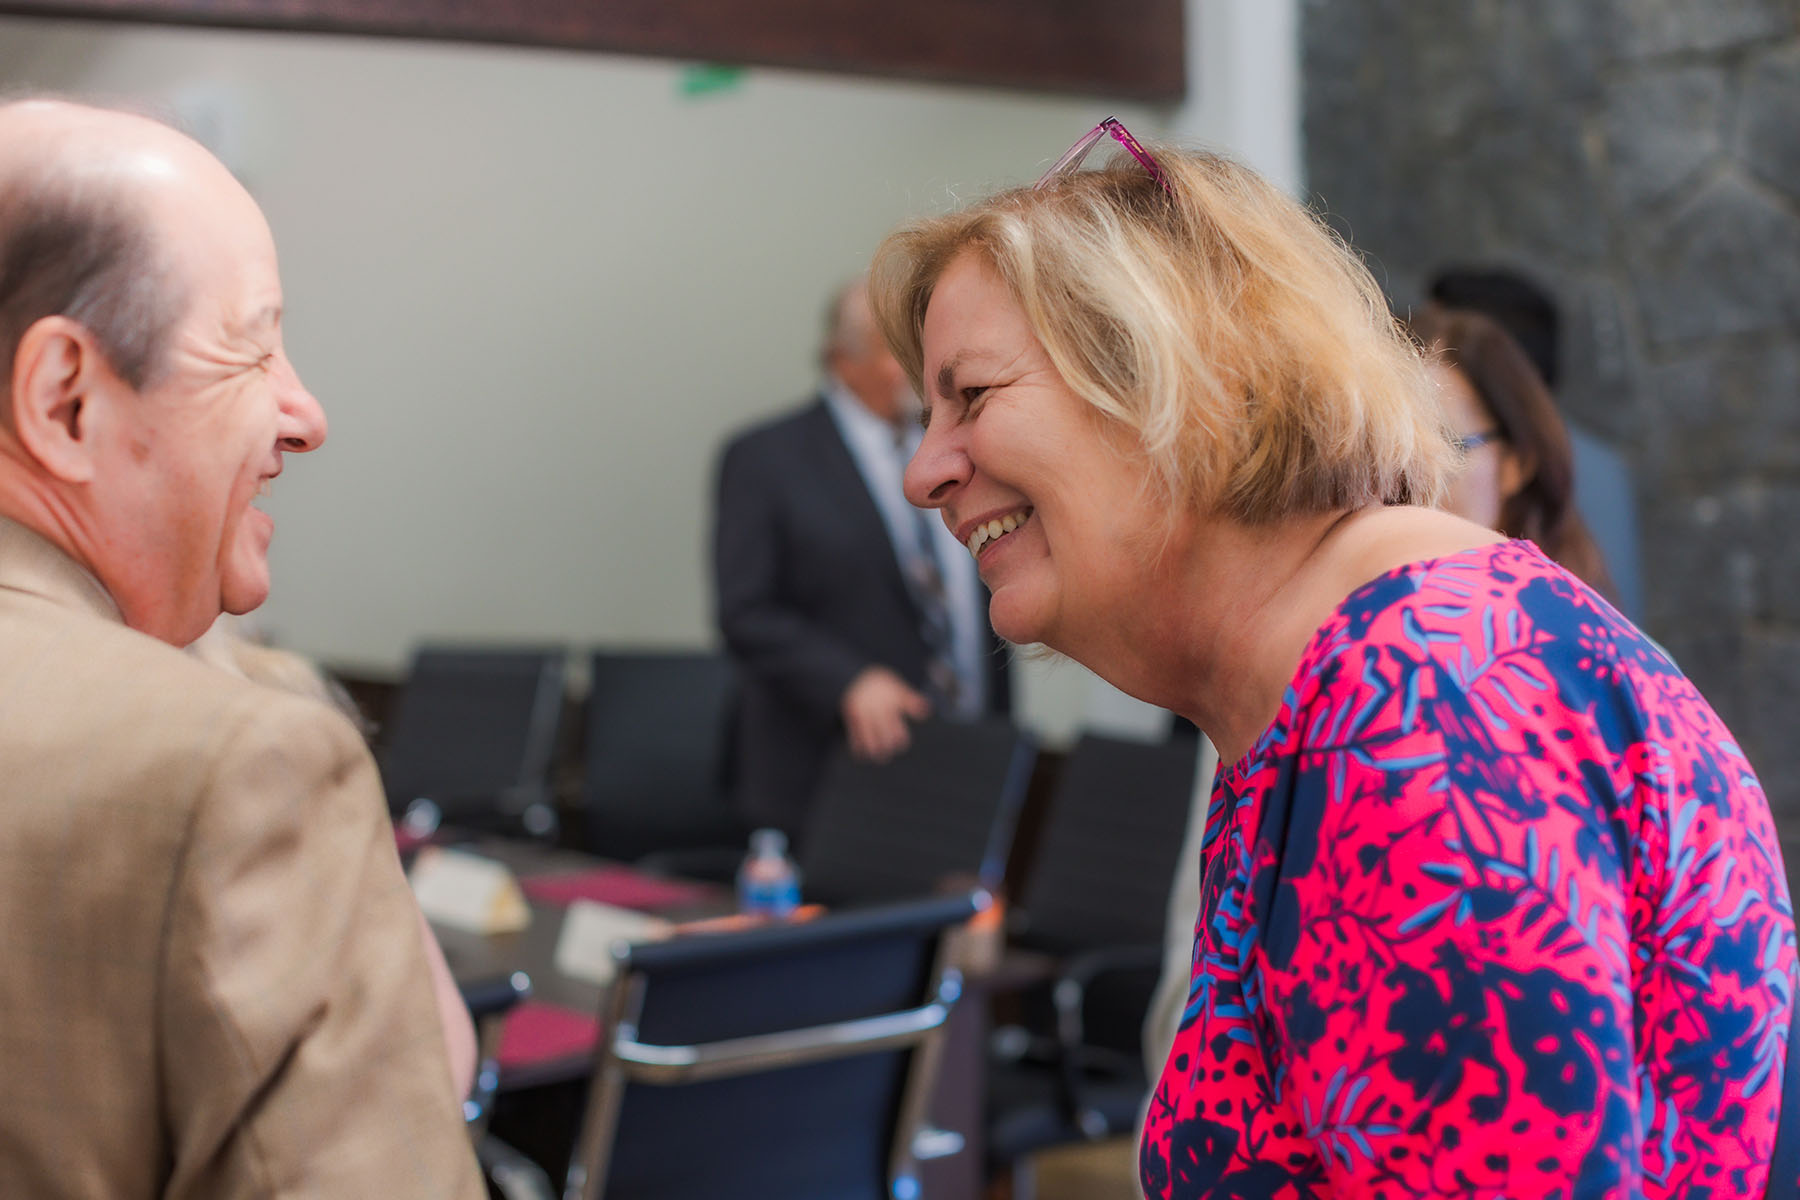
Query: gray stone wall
1642, 159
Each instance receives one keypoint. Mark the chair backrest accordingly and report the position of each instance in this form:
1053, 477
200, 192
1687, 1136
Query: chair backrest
475, 730
792, 1060
946, 808
1109, 847
656, 737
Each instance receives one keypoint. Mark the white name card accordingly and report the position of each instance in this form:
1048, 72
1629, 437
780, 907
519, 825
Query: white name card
467, 891
584, 948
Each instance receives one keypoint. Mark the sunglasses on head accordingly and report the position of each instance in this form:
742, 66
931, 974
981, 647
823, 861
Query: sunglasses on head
1071, 162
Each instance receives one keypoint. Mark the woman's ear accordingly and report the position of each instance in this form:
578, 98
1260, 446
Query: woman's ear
1517, 470
58, 372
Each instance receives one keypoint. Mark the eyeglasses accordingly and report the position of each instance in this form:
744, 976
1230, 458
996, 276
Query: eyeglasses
1069, 163
1472, 441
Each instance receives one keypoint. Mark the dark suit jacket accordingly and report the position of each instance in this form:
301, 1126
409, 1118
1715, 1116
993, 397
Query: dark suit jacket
809, 593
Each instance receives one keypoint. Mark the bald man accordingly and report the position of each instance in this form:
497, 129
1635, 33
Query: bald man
216, 982
850, 613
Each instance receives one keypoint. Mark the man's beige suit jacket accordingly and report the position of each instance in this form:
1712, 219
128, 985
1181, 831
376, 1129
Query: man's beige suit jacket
212, 982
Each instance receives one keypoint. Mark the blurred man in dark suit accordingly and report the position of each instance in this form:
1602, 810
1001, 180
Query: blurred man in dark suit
849, 612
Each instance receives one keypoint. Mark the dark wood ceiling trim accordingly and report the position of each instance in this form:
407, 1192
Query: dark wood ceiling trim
1125, 49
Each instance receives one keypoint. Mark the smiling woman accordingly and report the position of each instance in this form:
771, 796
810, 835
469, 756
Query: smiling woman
1484, 874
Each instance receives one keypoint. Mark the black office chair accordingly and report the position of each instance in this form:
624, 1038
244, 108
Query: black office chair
473, 739
1094, 904
654, 782
944, 810
792, 1060
510, 1176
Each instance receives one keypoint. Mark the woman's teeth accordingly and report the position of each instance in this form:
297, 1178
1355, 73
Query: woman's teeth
997, 528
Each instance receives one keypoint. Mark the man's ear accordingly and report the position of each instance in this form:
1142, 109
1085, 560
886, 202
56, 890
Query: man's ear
58, 370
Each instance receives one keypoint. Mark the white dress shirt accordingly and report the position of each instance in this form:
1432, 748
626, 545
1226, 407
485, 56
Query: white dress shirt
881, 458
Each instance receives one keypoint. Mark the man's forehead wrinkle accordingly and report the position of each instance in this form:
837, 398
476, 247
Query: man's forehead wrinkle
234, 339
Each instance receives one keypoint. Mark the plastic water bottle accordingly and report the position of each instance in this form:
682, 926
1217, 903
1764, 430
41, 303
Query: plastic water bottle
768, 883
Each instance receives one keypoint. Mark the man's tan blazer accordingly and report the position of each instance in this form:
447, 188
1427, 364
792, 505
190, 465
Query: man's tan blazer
212, 982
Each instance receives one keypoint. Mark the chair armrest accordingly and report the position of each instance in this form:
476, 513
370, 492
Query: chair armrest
1089, 965
1079, 974
489, 1001
513, 1176
1020, 968
932, 1143
1067, 981
489, 998
526, 809
1075, 1054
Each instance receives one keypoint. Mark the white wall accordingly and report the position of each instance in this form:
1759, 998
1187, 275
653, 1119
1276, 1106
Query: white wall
1244, 85
536, 289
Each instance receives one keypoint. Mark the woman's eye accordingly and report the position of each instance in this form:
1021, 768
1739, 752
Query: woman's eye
972, 395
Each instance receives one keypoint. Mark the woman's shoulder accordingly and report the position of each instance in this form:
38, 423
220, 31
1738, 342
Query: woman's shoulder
1465, 596
1510, 638
1437, 613
1498, 619
1382, 605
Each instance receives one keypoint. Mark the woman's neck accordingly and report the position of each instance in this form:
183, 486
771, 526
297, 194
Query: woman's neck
1223, 620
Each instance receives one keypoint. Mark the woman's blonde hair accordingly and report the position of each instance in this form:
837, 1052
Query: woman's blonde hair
1241, 340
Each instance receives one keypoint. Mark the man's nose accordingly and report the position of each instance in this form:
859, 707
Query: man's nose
302, 425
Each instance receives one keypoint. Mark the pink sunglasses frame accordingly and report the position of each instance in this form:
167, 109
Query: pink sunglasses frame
1071, 162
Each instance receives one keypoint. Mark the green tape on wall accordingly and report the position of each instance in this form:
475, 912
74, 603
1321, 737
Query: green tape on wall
706, 78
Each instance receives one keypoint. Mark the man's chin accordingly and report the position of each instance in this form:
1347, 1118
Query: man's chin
242, 596
244, 569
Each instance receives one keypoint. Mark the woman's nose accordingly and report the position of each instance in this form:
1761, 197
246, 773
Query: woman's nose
938, 467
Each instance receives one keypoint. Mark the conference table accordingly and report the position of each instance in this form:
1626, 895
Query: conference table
547, 1045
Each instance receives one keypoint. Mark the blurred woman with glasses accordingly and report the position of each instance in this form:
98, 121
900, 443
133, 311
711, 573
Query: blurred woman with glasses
1518, 472
1491, 902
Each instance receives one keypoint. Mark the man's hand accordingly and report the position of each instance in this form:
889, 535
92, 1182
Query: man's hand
876, 706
